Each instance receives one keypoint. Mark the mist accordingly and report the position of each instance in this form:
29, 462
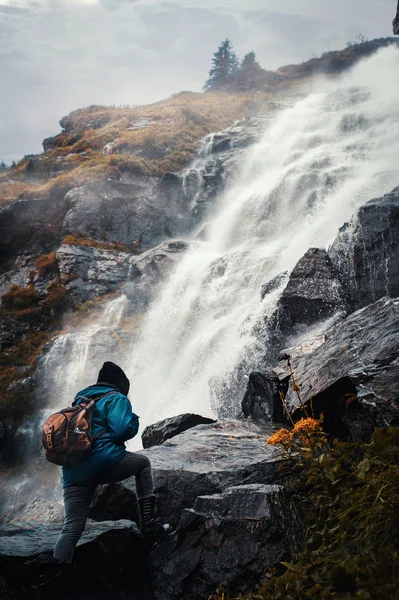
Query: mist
60, 55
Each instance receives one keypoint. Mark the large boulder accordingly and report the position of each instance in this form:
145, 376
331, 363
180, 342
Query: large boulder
122, 212
226, 540
313, 293
110, 562
357, 359
157, 433
37, 509
205, 460
90, 272
366, 251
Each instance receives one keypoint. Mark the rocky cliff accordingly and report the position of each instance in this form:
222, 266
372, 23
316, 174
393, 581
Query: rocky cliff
396, 22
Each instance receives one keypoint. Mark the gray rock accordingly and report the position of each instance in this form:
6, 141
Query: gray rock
262, 400
221, 143
123, 212
274, 284
157, 433
31, 227
358, 358
313, 293
171, 186
395, 22
17, 274
366, 251
217, 164
112, 500
28, 539
150, 269
39, 510
226, 540
88, 272
110, 562
206, 460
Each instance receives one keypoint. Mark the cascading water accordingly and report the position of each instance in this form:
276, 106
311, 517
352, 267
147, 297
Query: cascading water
74, 357
69, 366
313, 167
315, 163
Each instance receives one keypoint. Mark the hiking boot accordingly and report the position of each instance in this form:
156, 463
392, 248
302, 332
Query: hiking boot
150, 527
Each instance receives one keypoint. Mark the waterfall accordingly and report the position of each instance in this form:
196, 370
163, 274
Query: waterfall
72, 362
312, 168
313, 165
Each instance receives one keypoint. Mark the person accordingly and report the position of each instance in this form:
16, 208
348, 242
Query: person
113, 423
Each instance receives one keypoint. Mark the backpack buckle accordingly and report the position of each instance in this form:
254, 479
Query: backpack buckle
49, 439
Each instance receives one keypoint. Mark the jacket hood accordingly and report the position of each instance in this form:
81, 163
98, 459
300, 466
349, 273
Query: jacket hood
112, 374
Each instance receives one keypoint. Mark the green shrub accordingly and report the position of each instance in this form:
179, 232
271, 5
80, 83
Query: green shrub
346, 494
346, 502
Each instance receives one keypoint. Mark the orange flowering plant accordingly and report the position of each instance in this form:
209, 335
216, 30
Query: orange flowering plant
342, 513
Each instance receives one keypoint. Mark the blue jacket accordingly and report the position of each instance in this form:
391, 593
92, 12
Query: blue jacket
114, 415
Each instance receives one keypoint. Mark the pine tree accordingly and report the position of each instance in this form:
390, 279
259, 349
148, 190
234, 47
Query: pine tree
224, 67
249, 61
250, 75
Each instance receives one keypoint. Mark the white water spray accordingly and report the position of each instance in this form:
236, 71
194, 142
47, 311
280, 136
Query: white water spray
72, 363
314, 166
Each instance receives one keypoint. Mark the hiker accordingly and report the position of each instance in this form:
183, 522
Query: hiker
113, 423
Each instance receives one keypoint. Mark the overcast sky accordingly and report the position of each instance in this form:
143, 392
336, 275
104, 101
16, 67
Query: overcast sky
60, 55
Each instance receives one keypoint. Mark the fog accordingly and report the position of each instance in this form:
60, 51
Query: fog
60, 55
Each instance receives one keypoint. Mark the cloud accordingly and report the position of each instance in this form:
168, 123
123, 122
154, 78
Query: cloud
9, 9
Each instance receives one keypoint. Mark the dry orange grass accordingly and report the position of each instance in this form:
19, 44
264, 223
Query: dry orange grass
148, 140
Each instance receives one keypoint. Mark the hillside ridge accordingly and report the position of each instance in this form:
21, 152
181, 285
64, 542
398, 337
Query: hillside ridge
100, 142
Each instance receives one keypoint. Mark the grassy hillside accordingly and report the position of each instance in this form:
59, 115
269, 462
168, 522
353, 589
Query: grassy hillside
100, 141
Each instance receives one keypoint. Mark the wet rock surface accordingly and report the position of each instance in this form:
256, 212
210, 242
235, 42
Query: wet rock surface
313, 293
39, 510
123, 212
358, 357
31, 226
206, 460
226, 540
366, 251
150, 269
217, 165
262, 399
89, 272
213, 483
110, 560
159, 432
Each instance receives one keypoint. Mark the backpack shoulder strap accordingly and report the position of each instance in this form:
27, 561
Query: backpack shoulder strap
94, 398
106, 394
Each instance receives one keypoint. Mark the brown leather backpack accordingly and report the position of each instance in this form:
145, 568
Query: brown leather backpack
66, 436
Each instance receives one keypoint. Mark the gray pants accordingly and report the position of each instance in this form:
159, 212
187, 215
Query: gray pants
77, 499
